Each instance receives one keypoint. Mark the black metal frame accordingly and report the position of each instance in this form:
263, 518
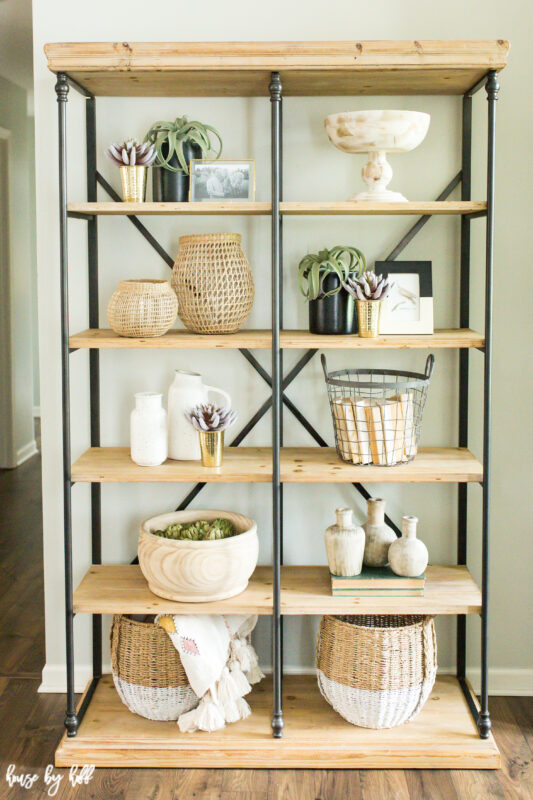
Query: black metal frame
276, 381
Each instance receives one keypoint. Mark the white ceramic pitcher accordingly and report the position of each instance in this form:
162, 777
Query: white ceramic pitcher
186, 391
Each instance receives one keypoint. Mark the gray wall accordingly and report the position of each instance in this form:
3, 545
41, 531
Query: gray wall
313, 170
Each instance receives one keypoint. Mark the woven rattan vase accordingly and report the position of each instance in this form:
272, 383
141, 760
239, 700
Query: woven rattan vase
213, 282
142, 308
147, 670
377, 671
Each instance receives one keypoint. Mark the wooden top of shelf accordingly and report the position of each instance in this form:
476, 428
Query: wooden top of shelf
122, 589
101, 338
287, 208
232, 69
298, 465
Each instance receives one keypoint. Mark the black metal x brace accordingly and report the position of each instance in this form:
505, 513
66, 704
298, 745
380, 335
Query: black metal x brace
301, 363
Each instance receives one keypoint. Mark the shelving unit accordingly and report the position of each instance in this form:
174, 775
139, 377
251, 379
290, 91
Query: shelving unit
453, 730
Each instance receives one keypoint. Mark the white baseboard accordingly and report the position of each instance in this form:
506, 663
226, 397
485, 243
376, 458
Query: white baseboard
29, 450
36, 411
510, 682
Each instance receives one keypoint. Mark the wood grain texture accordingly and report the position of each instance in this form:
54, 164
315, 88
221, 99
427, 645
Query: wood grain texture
366, 208
298, 465
307, 68
448, 590
442, 736
171, 209
104, 338
122, 589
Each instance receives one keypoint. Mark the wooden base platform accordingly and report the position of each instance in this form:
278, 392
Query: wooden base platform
443, 736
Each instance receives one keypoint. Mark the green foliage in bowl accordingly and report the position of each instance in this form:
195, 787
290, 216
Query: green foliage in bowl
199, 531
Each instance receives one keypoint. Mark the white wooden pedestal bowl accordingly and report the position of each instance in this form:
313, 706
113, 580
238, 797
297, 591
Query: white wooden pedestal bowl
198, 572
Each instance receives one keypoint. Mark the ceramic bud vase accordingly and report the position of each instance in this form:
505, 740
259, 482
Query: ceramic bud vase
148, 430
408, 556
379, 535
345, 544
186, 391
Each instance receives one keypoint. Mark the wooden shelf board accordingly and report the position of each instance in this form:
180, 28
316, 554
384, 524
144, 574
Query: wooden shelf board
448, 590
442, 736
169, 209
122, 589
232, 69
462, 337
298, 465
322, 465
113, 464
366, 208
102, 338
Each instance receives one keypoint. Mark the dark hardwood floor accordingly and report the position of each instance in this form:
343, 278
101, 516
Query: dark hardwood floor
31, 724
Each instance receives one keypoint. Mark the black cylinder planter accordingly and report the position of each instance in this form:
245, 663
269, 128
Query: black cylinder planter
173, 187
334, 314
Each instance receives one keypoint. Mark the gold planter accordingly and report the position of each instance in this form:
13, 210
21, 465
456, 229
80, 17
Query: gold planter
133, 183
211, 447
368, 312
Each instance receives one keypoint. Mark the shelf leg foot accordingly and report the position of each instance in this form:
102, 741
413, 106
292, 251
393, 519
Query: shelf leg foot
484, 724
71, 724
277, 725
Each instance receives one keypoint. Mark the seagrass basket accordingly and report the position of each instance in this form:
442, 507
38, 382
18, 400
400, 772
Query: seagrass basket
213, 282
376, 671
142, 308
147, 670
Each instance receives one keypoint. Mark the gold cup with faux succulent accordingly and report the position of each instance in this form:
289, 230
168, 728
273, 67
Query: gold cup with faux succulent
211, 421
132, 159
369, 290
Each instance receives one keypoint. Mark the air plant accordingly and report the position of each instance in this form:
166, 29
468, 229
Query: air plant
368, 286
131, 154
343, 262
168, 139
210, 417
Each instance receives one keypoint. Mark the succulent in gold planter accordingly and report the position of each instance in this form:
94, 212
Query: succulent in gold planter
368, 291
132, 159
211, 421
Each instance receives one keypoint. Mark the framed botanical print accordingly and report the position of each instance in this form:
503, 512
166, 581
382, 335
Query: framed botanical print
409, 306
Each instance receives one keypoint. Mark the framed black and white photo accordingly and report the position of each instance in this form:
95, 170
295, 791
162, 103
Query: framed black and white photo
222, 180
409, 306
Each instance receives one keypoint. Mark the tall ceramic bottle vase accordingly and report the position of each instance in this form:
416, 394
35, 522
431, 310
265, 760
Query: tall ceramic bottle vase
379, 535
186, 391
345, 544
408, 556
148, 430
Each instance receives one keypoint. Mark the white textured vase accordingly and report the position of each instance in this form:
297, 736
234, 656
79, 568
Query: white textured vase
379, 535
186, 391
148, 430
345, 544
197, 571
408, 556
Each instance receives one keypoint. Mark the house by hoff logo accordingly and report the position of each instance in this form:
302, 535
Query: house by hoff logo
52, 780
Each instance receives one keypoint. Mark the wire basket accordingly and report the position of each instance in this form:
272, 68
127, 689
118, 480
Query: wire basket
377, 413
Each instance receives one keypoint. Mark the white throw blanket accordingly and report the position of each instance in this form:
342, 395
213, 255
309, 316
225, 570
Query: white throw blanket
220, 663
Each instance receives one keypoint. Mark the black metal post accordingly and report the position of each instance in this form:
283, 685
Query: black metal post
62, 89
492, 86
464, 322
275, 100
94, 365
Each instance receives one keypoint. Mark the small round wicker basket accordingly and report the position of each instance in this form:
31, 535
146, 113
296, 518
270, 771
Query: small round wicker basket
147, 670
213, 281
142, 308
377, 671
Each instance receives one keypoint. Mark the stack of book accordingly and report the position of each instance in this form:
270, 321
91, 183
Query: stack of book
377, 582
375, 431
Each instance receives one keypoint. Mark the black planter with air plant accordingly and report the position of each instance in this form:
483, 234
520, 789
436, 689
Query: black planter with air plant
176, 144
322, 278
